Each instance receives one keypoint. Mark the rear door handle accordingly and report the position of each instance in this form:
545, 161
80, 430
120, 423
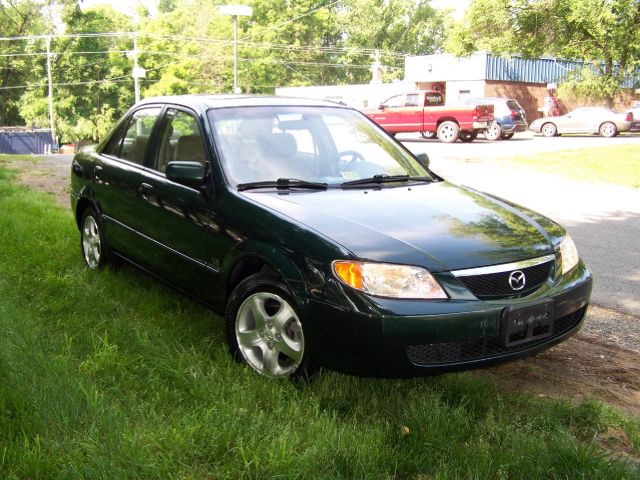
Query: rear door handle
145, 190
97, 171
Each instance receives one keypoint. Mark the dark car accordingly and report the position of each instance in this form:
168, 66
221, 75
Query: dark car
322, 240
509, 117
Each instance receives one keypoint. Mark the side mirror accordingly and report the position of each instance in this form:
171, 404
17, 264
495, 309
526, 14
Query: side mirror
186, 173
423, 158
382, 106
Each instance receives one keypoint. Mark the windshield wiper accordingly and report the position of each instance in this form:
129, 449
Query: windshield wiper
384, 178
283, 184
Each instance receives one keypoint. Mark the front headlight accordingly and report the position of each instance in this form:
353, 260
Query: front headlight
568, 254
388, 280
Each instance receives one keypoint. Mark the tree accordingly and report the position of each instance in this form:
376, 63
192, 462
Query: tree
18, 18
91, 76
603, 33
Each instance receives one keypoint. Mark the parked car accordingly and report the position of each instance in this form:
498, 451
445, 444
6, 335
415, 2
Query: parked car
604, 121
508, 117
322, 240
426, 113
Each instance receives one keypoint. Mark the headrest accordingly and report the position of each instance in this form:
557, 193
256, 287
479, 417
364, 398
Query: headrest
190, 148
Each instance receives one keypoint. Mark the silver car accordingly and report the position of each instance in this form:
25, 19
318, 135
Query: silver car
604, 121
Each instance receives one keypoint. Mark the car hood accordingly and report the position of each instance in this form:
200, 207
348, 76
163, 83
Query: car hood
437, 225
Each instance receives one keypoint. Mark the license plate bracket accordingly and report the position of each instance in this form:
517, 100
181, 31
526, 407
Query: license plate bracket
524, 324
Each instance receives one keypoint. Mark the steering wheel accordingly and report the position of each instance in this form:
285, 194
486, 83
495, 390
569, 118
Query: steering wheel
342, 163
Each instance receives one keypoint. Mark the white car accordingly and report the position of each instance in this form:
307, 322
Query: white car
604, 121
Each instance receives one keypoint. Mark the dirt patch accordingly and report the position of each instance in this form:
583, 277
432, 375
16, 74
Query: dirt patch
580, 368
49, 174
601, 362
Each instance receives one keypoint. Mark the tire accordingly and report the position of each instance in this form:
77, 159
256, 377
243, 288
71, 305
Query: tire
428, 135
608, 129
263, 329
448, 132
468, 136
494, 132
507, 136
549, 130
95, 251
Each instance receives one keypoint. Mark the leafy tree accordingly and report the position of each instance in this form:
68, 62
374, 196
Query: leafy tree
19, 18
603, 33
91, 76
396, 27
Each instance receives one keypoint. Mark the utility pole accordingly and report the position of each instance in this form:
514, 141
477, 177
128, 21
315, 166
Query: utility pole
53, 128
136, 69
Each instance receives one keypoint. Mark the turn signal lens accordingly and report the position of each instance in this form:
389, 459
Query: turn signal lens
389, 280
350, 273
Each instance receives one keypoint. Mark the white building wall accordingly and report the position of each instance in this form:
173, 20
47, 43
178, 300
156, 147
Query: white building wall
445, 68
456, 91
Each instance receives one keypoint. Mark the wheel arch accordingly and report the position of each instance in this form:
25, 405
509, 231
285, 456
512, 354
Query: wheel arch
85, 200
256, 257
447, 119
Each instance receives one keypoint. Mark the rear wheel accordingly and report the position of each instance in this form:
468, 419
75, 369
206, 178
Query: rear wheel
494, 132
428, 135
95, 251
263, 328
507, 136
467, 136
448, 132
549, 130
608, 129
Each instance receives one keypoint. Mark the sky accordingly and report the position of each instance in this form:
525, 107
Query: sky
128, 6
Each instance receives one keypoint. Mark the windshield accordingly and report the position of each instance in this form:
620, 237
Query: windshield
314, 144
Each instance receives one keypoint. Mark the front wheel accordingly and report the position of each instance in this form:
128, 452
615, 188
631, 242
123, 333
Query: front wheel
95, 251
608, 129
448, 132
549, 130
263, 328
467, 136
428, 135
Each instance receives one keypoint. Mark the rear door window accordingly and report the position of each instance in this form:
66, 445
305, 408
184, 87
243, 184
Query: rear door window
136, 138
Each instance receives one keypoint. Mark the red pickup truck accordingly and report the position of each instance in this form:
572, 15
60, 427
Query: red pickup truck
426, 113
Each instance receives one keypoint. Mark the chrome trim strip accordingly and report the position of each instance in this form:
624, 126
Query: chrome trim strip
505, 267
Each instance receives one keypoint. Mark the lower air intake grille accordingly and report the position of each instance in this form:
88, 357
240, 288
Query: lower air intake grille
484, 347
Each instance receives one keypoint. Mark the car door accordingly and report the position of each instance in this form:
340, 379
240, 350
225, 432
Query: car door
179, 218
389, 114
411, 115
117, 178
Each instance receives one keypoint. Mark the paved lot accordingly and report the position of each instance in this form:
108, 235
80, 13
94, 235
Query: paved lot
603, 219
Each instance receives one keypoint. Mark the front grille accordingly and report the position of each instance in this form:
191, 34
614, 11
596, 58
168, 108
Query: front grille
484, 347
494, 286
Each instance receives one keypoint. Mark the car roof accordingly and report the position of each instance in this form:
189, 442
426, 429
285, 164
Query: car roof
205, 102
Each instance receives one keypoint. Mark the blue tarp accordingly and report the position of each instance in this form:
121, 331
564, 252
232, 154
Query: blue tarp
18, 142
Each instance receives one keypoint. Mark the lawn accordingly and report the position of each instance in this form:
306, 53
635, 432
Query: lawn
111, 374
618, 164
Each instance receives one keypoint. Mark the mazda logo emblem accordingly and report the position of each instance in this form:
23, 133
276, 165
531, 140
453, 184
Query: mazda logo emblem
517, 280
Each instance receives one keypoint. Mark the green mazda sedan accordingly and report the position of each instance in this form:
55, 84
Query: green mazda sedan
322, 240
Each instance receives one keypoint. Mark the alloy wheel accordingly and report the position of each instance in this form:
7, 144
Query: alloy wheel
91, 243
269, 334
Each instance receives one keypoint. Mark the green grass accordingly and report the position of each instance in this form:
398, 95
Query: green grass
110, 374
618, 164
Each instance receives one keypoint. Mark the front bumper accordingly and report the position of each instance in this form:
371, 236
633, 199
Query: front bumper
399, 338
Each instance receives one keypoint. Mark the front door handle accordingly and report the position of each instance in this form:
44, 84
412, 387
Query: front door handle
145, 190
97, 171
